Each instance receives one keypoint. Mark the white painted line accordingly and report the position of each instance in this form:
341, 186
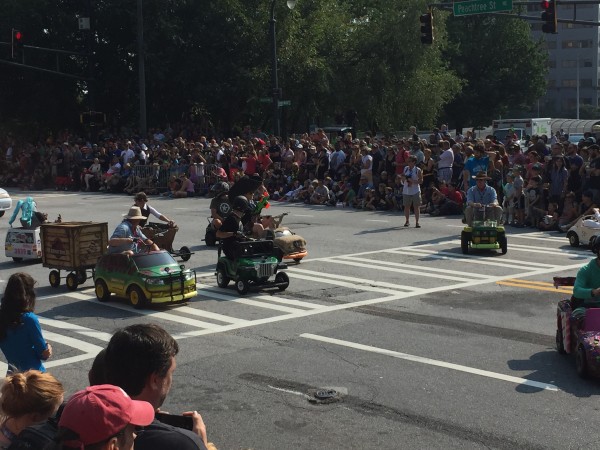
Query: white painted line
362, 283
70, 360
210, 315
72, 342
582, 254
269, 298
395, 270
513, 262
432, 362
62, 325
247, 301
358, 285
375, 220
462, 275
536, 237
157, 314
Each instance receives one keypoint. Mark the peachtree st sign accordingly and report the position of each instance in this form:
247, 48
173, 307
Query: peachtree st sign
471, 7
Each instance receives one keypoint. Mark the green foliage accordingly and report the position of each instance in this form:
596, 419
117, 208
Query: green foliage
209, 62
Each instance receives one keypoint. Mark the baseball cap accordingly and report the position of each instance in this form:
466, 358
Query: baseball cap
98, 413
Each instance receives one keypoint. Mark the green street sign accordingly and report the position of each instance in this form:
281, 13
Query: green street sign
265, 100
285, 103
471, 7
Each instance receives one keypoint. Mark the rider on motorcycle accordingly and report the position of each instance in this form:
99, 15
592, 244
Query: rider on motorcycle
219, 205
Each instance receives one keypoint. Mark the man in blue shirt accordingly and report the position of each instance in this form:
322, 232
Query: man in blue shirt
482, 196
479, 162
128, 233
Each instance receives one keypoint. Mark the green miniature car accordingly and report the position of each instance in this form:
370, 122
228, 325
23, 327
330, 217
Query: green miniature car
253, 268
144, 279
483, 234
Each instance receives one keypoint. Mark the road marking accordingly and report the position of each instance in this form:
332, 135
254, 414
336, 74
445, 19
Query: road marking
412, 269
210, 315
536, 285
246, 301
569, 253
432, 362
354, 283
376, 220
468, 259
269, 298
62, 325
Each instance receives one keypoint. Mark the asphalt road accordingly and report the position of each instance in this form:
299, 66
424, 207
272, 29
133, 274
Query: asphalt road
424, 347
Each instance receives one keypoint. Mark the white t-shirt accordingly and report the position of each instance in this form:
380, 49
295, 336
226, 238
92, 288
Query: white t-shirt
413, 175
446, 159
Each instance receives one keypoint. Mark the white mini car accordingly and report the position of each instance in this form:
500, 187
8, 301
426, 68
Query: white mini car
584, 231
5, 202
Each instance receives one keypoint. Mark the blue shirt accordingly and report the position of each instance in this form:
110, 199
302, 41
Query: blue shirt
485, 197
24, 344
125, 230
474, 166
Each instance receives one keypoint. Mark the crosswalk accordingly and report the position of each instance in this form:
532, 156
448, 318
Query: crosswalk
365, 278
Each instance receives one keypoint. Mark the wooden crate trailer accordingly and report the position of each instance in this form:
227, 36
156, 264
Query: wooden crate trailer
73, 247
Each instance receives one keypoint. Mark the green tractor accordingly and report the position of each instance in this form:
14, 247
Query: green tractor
254, 268
483, 234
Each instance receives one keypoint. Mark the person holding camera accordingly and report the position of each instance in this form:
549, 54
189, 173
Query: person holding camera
412, 178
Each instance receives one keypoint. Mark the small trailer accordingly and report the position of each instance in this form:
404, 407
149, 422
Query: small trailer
73, 247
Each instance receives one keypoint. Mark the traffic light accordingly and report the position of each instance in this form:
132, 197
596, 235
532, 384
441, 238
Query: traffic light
17, 43
427, 27
549, 16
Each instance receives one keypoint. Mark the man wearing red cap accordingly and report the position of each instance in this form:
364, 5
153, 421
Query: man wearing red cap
102, 417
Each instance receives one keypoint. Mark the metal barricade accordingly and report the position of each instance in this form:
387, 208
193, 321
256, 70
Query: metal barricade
147, 179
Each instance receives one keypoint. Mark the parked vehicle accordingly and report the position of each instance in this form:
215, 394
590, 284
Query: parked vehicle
530, 126
5, 202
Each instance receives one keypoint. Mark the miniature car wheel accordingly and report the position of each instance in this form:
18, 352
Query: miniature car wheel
17, 260
560, 347
503, 242
54, 278
581, 364
102, 292
465, 237
2, 213
283, 278
222, 278
184, 253
573, 239
137, 298
210, 238
81, 276
72, 281
298, 260
241, 286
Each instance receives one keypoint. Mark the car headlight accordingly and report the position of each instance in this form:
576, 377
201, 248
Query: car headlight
155, 281
188, 276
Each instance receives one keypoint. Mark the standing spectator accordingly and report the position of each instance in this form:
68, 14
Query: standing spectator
21, 337
274, 151
102, 417
479, 162
444, 165
26, 399
411, 193
141, 360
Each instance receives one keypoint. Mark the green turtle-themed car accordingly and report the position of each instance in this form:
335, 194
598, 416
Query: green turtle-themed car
144, 278
255, 267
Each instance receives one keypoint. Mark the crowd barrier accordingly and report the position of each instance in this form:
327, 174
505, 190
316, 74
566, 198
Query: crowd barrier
156, 178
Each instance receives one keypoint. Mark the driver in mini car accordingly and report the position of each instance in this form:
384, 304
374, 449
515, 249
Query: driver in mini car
128, 234
482, 195
231, 230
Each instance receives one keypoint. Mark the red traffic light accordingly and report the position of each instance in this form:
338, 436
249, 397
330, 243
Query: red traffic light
545, 4
18, 35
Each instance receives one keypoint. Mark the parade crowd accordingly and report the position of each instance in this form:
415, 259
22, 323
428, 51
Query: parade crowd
544, 181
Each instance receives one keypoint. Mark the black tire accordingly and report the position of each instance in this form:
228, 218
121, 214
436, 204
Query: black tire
573, 239
54, 278
503, 243
210, 238
465, 237
81, 276
297, 260
2, 213
72, 281
282, 277
581, 362
560, 347
136, 297
101, 289
17, 260
222, 278
242, 287
184, 253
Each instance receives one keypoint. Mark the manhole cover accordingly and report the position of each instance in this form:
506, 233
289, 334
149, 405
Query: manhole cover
325, 394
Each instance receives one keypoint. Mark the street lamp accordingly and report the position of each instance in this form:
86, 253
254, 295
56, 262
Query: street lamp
276, 93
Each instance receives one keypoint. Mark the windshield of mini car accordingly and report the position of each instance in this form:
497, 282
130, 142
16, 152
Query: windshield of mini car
149, 260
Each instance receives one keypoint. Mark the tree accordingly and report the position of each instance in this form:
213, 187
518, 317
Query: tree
503, 68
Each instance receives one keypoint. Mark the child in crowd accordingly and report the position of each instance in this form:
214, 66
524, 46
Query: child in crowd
550, 219
519, 198
533, 200
508, 202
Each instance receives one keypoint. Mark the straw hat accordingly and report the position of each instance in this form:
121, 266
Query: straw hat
481, 176
134, 213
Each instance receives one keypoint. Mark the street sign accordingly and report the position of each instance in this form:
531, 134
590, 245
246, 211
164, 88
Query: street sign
471, 7
265, 100
284, 103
